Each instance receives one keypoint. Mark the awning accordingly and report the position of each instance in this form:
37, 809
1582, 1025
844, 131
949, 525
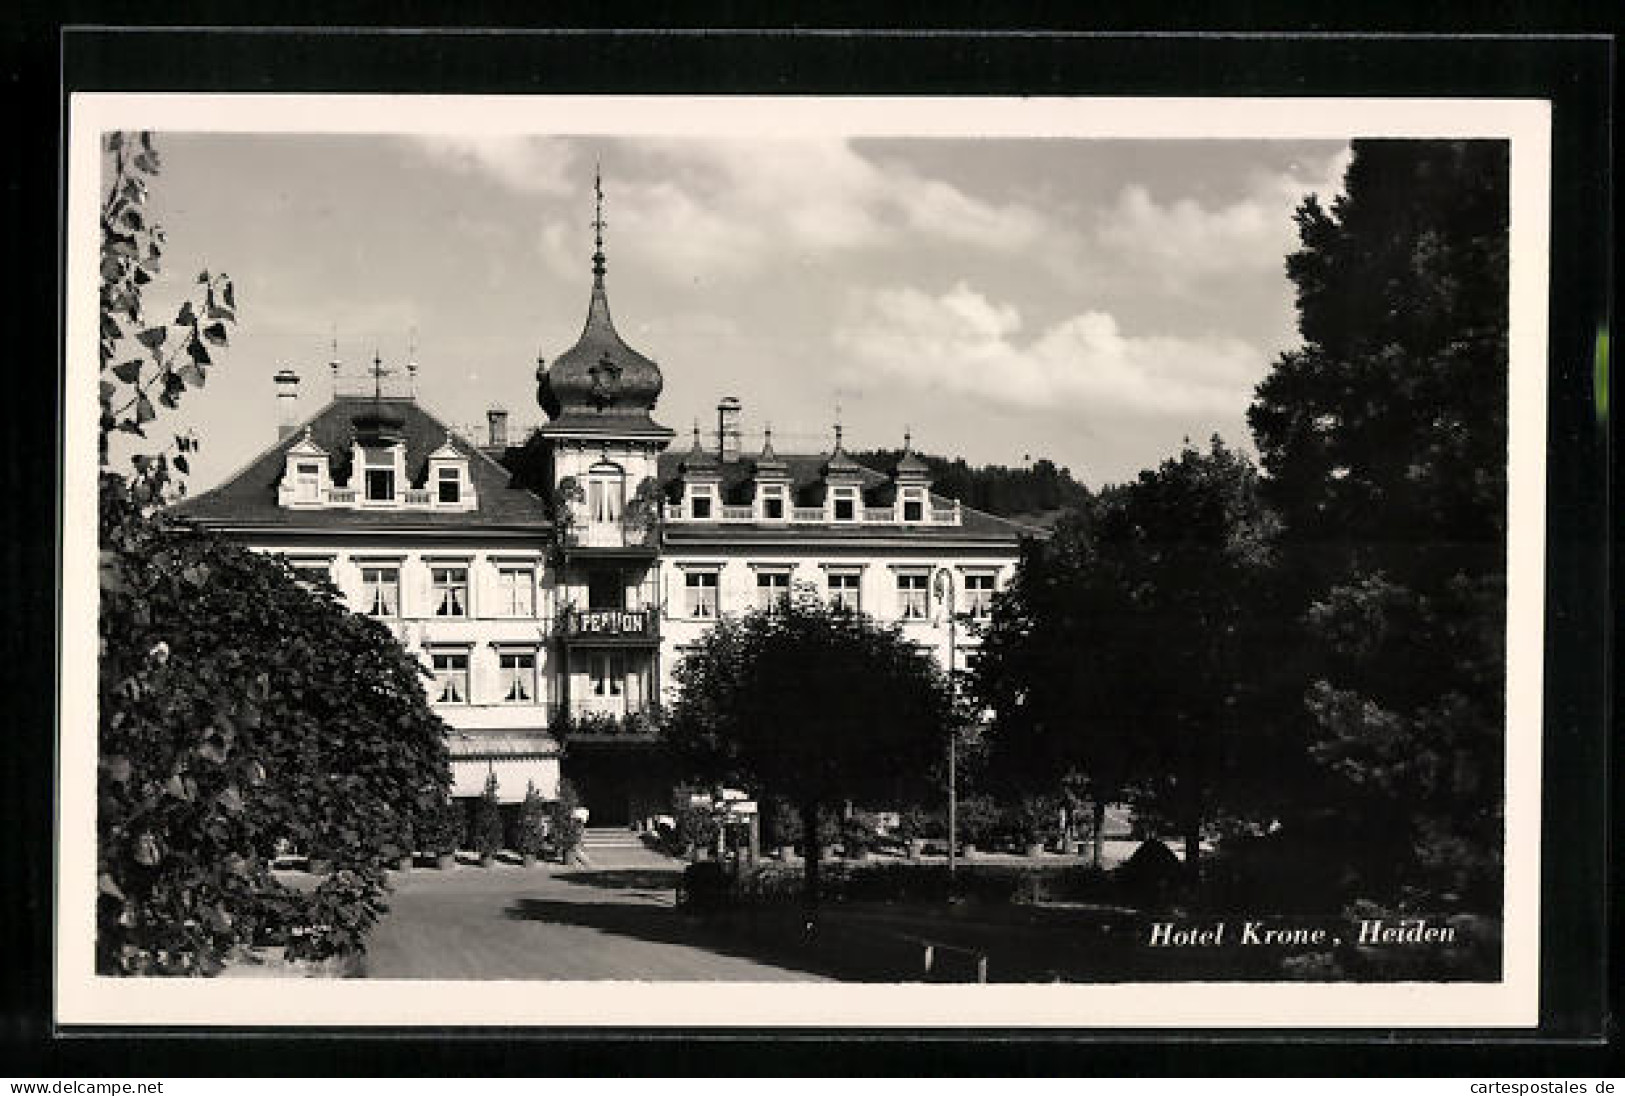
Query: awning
493, 744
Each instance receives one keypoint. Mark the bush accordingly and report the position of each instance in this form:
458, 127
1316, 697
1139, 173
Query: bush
1035, 819
488, 820
859, 834
566, 828
978, 820
919, 823
240, 710
530, 838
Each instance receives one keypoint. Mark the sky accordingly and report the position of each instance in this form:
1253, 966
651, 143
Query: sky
1092, 301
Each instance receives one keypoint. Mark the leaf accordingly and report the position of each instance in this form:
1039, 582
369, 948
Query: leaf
182, 466
231, 799
176, 788
186, 317
153, 337
191, 373
199, 352
143, 410
215, 333
129, 372
105, 884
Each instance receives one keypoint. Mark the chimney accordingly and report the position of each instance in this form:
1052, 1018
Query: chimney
496, 421
728, 429
287, 402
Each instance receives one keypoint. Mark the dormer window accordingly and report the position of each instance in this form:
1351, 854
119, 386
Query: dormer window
913, 505
449, 486
700, 503
846, 504
307, 482
773, 503
380, 475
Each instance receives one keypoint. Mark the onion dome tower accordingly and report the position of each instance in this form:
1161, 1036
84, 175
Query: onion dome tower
600, 385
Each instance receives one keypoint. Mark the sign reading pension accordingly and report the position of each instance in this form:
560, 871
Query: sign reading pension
611, 622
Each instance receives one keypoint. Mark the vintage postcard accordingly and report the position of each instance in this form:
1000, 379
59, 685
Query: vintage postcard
906, 563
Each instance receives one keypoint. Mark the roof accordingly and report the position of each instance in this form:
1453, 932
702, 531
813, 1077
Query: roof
250, 496
806, 473
484, 744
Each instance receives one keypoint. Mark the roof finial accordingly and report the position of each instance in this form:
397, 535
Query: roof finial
908, 439
598, 221
333, 362
696, 434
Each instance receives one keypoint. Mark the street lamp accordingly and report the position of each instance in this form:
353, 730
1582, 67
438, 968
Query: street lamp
942, 584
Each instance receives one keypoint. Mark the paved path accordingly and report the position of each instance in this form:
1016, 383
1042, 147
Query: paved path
548, 923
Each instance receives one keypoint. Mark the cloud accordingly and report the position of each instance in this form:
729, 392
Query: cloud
964, 343
1185, 241
703, 208
524, 163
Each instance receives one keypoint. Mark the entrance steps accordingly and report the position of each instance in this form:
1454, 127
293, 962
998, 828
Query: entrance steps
610, 837
616, 848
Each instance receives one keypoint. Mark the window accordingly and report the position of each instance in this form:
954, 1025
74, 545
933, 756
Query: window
308, 570
518, 676
912, 598
846, 506
380, 484
450, 482
772, 587
382, 591
450, 591
843, 590
979, 596
913, 506
450, 677
605, 495
608, 672
702, 593
307, 482
773, 503
699, 505
516, 591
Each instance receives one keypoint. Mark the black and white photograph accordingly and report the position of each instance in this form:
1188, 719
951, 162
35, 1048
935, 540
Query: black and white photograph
549, 560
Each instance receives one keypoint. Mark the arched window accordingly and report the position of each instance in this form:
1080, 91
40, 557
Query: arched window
606, 493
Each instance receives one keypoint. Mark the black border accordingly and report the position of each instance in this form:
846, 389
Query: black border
1574, 73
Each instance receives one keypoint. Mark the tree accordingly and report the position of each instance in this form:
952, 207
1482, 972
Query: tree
239, 709
818, 704
1384, 442
1125, 648
488, 820
531, 838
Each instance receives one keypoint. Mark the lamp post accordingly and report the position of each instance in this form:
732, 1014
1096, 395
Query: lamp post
942, 584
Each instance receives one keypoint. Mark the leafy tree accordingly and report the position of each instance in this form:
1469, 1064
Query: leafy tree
239, 709
1384, 442
816, 703
1124, 649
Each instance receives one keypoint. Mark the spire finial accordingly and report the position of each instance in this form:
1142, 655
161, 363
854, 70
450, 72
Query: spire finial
908, 439
598, 221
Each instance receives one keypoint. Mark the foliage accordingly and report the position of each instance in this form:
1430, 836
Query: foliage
641, 518
565, 827
1124, 658
147, 365
1384, 439
1034, 819
1039, 489
222, 681
977, 820
859, 834
531, 838
568, 497
811, 701
441, 827
488, 819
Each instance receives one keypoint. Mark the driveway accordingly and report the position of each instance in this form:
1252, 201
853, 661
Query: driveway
580, 924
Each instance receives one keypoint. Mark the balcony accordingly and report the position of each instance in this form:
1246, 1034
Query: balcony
599, 539
593, 722
608, 627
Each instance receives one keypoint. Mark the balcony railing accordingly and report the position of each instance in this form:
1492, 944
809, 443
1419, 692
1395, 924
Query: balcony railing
677, 514
611, 534
594, 721
608, 624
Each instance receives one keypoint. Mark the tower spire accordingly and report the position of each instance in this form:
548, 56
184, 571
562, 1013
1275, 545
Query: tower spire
598, 221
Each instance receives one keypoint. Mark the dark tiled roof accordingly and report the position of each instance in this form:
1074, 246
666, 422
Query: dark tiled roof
249, 497
806, 472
